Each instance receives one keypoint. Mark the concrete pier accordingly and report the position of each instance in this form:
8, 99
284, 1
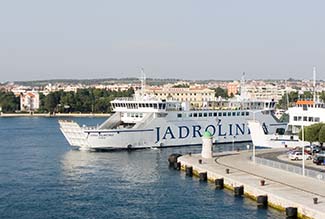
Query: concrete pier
283, 189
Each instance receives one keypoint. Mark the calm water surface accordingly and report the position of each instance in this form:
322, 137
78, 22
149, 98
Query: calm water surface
41, 177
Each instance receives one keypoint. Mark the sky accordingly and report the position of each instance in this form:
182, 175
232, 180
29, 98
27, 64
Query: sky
86, 39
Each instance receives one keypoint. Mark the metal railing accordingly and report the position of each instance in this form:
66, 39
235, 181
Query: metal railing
291, 168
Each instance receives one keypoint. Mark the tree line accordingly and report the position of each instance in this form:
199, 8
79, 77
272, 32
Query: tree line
9, 102
83, 101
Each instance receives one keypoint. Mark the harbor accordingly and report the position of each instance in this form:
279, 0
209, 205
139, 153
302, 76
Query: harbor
279, 189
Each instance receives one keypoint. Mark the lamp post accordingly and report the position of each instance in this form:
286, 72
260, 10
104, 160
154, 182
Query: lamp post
254, 152
303, 150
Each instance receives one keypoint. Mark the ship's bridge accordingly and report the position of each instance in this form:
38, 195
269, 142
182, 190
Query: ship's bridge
151, 105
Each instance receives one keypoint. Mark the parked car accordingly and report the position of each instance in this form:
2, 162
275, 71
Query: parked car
312, 149
319, 160
298, 156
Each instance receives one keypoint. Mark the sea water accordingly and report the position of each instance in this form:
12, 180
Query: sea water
42, 177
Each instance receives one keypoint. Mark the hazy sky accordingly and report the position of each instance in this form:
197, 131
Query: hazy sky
43, 39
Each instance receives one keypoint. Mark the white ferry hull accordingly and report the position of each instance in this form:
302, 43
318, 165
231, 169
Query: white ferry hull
260, 139
166, 132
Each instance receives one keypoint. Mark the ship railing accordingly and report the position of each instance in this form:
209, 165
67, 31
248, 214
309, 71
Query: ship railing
290, 168
90, 127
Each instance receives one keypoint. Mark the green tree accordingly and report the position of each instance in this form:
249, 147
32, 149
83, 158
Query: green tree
321, 135
311, 133
52, 101
220, 92
9, 102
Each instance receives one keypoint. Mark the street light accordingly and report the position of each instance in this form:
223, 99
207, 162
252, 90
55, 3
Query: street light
303, 150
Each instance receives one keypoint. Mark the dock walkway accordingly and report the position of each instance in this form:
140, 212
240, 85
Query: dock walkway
284, 189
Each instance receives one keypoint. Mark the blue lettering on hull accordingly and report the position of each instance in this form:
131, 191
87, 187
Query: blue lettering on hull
196, 131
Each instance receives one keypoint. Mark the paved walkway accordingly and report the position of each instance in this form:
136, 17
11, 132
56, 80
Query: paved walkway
283, 188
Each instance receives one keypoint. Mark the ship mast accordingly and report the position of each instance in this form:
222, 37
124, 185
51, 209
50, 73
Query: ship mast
143, 82
243, 87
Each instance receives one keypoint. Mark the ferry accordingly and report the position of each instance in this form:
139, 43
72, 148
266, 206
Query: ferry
145, 121
304, 113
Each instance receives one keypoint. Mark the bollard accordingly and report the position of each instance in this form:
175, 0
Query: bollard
262, 201
262, 182
227, 171
172, 159
219, 183
200, 161
203, 176
291, 212
239, 191
177, 166
189, 170
315, 200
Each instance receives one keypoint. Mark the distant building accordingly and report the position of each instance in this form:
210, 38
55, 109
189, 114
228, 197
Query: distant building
264, 91
232, 88
197, 96
29, 101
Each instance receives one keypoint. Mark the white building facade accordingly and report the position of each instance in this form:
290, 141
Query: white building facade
29, 101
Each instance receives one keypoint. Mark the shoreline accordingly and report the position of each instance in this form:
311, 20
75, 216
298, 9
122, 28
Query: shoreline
9, 115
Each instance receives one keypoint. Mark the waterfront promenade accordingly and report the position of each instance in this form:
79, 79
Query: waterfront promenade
284, 189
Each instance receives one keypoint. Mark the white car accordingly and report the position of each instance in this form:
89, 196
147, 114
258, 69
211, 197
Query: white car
298, 156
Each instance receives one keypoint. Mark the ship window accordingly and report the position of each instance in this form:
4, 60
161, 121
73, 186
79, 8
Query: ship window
141, 115
247, 113
155, 106
129, 115
164, 106
295, 118
224, 114
219, 114
195, 115
136, 116
233, 113
200, 114
190, 115
317, 119
205, 114
229, 113
238, 113
305, 118
215, 114
210, 114
299, 118
310, 119
150, 105
243, 113
179, 115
